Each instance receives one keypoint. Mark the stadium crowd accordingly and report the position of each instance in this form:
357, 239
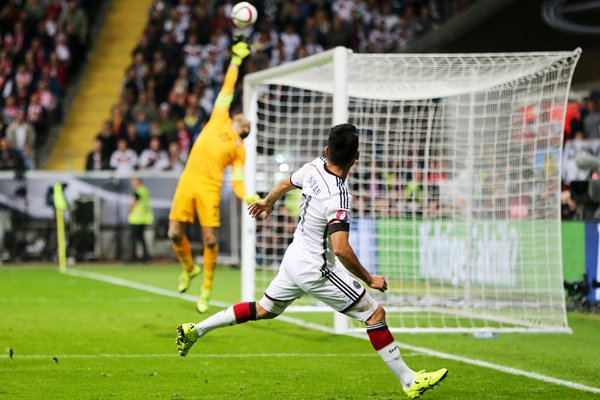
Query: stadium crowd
42, 46
178, 64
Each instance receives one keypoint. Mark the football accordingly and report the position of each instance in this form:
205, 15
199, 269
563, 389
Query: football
243, 14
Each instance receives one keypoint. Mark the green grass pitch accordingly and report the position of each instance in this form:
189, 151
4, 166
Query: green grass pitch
79, 338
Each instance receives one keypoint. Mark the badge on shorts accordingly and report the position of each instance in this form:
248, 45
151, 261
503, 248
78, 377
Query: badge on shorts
356, 285
342, 216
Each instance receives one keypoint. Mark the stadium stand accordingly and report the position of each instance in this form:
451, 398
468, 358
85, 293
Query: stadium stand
100, 84
42, 47
177, 65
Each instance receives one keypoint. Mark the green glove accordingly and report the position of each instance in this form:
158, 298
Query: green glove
251, 199
240, 50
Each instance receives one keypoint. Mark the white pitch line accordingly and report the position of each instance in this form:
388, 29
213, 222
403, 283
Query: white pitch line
139, 286
421, 350
173, 355
501, 368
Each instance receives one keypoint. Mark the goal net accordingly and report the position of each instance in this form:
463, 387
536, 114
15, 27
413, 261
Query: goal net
456, 194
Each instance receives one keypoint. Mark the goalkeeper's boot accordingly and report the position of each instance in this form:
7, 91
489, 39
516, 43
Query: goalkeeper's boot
202, 304
186, 337
186, 277
425, 381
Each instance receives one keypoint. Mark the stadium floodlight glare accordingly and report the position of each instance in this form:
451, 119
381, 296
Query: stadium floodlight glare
457, 189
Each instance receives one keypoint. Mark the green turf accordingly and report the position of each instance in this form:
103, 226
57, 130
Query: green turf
77, 338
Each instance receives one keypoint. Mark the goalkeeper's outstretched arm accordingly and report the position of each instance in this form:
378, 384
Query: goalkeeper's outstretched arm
239, 51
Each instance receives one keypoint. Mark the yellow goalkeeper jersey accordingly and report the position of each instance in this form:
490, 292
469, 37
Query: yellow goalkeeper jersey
218, 145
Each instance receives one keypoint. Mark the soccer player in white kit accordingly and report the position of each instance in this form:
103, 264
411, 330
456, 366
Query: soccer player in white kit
309, 265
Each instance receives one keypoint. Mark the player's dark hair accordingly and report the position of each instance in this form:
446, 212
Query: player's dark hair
343, 144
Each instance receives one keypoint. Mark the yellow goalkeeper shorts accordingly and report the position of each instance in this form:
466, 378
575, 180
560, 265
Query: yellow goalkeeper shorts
191, 195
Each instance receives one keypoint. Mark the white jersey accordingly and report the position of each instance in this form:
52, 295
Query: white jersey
326, 204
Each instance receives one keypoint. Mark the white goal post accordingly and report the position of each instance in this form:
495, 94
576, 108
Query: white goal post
456, 194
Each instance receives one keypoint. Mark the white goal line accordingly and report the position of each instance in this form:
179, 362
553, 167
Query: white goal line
416, 349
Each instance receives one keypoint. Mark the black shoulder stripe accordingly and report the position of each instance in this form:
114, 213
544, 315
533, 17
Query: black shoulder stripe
344, 200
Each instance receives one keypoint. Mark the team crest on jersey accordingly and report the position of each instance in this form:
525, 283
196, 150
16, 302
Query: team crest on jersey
342, 216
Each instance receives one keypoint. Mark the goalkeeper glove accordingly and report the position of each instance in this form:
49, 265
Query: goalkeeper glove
240, 51
251, 199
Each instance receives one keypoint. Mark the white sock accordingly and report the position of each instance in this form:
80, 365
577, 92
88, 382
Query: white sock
391, 355
218, 320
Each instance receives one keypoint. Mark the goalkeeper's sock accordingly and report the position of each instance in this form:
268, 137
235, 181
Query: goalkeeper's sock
383, 342
235, 314
210, 263
183, 250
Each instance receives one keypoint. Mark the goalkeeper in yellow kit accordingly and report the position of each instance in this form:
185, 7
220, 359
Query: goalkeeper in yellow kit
198, 190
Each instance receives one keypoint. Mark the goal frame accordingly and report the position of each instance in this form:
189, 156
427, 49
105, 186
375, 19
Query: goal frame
338, 58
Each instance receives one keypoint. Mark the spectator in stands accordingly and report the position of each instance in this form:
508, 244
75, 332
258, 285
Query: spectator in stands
591, 121
47, 98
290, 41
337, 34
10, 159
176, 160
132, 84
154, 158
142, 129
123, 159
96, 160
63, 53
118, 125
134, 142
413, 194
37, 116
144, 105
192, 121
311, 45
109, 141
9, 111
183, 138
182, 83
168, 124
140, 65
192, 55
74, 23
21, 137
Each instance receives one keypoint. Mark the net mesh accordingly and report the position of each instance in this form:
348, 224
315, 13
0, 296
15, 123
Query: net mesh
456, 194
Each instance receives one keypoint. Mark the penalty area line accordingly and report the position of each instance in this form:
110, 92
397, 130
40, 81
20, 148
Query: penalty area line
304, 324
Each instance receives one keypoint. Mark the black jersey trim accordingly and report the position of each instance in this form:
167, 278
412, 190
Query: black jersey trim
277, 300
337, 227
344, 195
355, 302
343, 286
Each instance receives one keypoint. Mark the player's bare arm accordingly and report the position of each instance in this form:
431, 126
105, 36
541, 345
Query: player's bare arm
263, 208
345, 253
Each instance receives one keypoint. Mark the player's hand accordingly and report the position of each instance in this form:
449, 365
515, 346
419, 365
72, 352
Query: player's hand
260, 209
240, 50
378, 282
251, 199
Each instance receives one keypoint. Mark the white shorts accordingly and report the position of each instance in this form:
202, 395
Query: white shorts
333, 286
